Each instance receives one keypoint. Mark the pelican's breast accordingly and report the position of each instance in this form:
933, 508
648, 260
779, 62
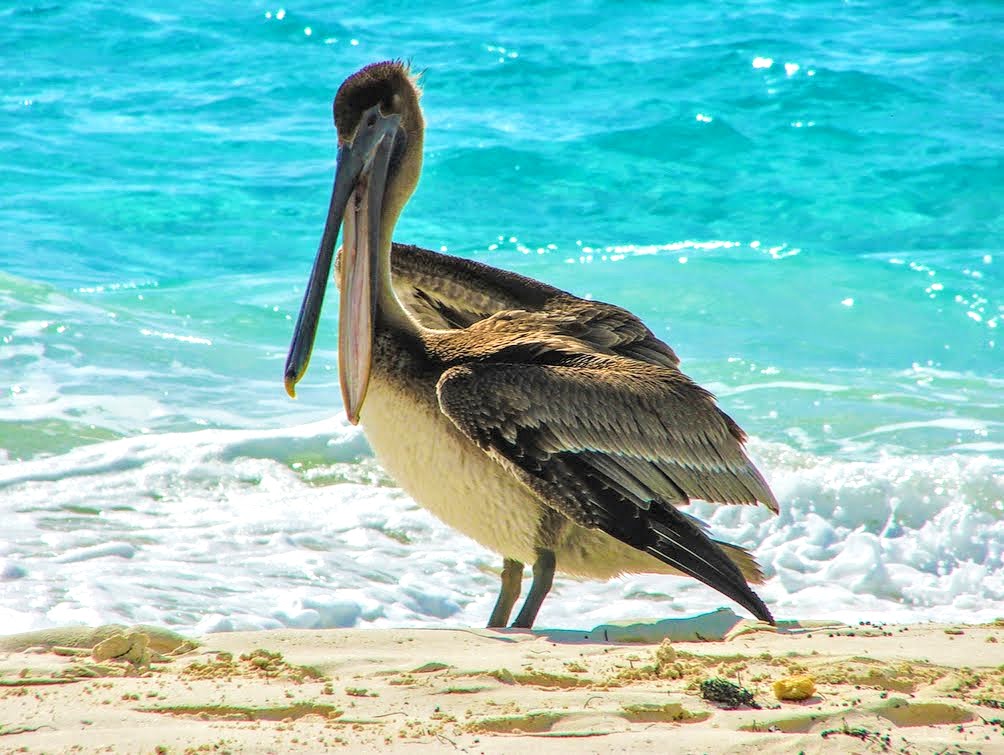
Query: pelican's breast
444, 471
463, 487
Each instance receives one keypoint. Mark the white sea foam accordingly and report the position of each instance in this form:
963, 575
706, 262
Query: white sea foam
223, 530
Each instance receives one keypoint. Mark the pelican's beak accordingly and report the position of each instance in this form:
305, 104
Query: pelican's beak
357, 196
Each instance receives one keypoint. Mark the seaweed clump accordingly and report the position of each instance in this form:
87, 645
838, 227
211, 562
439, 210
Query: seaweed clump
728, 694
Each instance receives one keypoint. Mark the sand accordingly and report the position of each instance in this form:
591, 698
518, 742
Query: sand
618, 688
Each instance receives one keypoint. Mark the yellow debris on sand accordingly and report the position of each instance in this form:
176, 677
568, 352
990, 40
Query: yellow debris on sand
800, 687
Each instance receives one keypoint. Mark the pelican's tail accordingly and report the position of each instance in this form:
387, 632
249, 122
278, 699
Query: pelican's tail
745, 561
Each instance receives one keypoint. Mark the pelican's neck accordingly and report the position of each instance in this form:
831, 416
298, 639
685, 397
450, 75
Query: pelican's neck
389, 307
390, 311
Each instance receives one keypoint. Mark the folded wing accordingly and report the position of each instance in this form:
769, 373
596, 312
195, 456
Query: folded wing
614, 444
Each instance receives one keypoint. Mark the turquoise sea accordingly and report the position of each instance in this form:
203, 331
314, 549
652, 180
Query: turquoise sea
805, 200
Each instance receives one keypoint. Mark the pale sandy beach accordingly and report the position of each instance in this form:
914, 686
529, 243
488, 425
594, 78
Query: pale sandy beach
904, 689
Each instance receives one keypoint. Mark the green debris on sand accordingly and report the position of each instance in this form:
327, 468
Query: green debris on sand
647, 713
430, 667
728, 694
5, 730
881, 742
32, 681
248, 713
531, 723
539, 679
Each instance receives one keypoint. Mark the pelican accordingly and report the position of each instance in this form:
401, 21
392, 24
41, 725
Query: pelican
552, 430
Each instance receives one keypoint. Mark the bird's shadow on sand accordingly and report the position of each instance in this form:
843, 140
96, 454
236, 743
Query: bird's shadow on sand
715, 626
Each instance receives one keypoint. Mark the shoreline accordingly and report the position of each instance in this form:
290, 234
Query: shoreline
893, 688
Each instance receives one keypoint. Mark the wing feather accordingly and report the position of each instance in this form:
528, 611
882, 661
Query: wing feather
649, 429
446, 292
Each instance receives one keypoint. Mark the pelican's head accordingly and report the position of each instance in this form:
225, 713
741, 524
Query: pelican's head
385, 89
380, 129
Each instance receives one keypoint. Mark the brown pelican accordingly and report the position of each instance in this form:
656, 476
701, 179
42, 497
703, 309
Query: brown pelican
550, 429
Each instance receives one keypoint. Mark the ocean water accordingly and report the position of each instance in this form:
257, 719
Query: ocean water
804, 200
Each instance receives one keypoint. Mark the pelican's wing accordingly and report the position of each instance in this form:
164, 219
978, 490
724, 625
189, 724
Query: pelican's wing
446, 292
443, 291
613, 444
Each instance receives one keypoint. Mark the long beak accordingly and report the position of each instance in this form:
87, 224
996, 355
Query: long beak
357, 195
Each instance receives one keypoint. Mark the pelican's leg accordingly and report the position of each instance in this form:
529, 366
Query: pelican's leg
512, 585
543, 577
